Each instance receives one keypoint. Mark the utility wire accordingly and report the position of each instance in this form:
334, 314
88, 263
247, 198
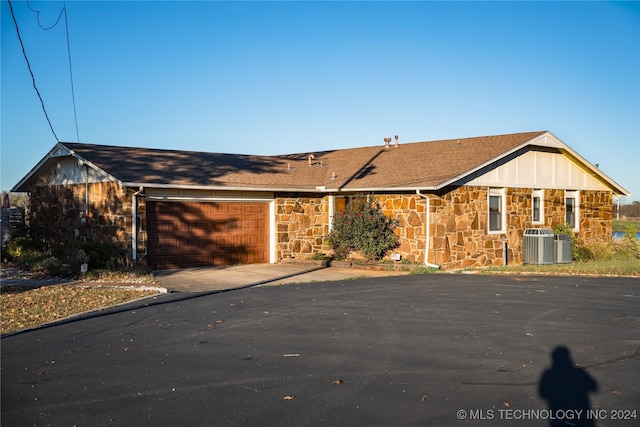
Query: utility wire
66, 27
37, 12
73, 94
33, 79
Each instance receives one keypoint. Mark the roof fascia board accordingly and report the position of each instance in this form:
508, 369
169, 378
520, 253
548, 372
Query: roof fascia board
276, 189
58, 150
384, 189
590, 167
223, 187
546, 139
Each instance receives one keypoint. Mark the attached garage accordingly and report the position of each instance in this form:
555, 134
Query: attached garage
199, 234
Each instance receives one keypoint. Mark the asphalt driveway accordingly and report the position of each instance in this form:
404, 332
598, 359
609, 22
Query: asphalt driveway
411, 350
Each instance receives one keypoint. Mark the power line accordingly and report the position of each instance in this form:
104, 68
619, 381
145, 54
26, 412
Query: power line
33, 79
66, 27
37, 12
73, 93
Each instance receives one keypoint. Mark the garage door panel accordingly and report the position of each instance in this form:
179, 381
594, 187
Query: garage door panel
213, 233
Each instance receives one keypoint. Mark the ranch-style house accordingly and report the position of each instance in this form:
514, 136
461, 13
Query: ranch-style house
458, 202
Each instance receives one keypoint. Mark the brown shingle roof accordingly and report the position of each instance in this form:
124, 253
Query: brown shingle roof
412, 165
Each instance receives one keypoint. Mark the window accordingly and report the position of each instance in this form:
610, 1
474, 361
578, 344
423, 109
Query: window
337, 204
497, 210
538, 207
572, 206
340, 204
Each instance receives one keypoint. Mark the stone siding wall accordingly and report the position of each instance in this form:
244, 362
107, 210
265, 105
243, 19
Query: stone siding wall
596, 216
302, 223
108, 217
554, 208
410, 212
459, 229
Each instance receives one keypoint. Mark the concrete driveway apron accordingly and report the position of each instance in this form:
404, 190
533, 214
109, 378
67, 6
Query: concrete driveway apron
234, 277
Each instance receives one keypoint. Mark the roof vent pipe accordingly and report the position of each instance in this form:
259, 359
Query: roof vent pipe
311, 157
387, 140
396, 137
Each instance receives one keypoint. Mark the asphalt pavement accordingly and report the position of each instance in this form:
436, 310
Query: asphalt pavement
436, 350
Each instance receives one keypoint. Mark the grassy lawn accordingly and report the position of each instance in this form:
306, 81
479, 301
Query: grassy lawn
599, 268
622, 225
24, 307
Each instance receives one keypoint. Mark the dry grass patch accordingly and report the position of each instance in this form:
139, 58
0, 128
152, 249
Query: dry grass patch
24, 307
591, 268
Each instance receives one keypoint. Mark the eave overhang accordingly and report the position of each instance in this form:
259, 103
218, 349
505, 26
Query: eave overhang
547, 139
58, 151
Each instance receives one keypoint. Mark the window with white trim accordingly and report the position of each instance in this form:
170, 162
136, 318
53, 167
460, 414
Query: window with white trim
537, 207
337, 204
497, 210
572, 209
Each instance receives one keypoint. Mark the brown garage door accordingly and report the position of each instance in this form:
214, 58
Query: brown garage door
207, 233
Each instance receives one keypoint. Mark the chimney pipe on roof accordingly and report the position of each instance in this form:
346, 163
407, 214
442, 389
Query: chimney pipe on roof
396, 137
311, 157
387, 140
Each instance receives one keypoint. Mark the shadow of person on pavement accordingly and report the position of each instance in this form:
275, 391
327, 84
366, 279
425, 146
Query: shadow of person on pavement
566, 389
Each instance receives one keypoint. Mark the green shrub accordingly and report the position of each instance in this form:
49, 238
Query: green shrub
54, 267
595, 251
103, 255
582, 254
617, 250
77, 259
116, 263
22, 247
626, 249
63, 260
631, 233
362, 227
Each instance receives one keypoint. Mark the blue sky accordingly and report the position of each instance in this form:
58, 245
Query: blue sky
289, 77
